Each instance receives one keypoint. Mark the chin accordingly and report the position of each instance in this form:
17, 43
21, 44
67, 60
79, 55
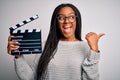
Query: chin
67, 36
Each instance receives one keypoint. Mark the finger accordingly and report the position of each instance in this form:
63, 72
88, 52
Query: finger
13, 43
12, 48
9, 38
100, 35
91, 33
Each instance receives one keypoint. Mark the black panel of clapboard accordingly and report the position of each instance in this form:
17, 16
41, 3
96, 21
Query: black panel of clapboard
29, 42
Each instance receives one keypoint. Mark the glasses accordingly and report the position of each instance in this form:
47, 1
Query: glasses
62, 18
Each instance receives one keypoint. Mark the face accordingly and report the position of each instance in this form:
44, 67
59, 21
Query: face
67, 23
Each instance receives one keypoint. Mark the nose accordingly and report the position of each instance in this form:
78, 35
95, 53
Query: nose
66, 20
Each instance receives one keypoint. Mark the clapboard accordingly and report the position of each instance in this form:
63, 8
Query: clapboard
29, 40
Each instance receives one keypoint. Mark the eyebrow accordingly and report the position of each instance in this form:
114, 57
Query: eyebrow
68, 14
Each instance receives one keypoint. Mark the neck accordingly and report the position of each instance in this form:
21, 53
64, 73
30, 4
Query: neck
69, 39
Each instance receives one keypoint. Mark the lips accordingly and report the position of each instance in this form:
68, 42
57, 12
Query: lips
67, 29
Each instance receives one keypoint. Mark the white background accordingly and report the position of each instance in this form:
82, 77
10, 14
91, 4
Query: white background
97, 16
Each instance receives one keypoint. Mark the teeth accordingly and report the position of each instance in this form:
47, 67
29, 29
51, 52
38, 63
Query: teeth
66, 27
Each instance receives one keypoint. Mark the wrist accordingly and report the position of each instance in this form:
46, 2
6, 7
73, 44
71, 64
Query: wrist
97, 51
17, 56
94, 48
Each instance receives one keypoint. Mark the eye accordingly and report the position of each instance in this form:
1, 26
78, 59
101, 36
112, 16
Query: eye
72, 17
61, 17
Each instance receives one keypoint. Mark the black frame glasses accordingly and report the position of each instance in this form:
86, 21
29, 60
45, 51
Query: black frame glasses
70, 18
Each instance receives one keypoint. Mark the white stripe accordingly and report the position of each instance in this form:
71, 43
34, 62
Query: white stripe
38, 30
22, 31
28, 20
21, 23
35, 17
30, 30
14, 27
15, 31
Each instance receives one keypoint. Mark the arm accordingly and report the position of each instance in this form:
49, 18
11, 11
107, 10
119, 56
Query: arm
23, 70
90, 64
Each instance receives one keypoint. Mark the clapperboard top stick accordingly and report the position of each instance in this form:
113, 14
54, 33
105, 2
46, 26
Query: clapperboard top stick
23, 23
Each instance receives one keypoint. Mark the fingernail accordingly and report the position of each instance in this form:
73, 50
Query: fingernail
17, 43
17, 46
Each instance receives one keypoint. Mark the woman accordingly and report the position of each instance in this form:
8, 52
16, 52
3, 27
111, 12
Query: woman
65, 56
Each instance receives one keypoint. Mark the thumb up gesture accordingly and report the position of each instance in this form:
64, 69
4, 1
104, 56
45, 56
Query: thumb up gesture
92, 39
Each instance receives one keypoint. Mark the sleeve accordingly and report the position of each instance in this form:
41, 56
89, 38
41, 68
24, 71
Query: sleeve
90, 66
23, 70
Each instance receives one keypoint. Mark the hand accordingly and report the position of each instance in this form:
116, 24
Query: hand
12, 46
92, 39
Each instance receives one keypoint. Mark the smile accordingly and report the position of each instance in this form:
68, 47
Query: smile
67, 29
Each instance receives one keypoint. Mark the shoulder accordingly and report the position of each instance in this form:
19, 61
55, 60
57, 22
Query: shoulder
85, 48
84, 44
37, 57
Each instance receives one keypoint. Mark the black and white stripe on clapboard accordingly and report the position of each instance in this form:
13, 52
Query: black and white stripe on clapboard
23, 23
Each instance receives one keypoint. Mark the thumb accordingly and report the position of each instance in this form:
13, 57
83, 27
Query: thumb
100, 35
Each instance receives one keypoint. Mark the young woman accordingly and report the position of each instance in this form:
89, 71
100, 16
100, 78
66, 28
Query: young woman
65, 56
